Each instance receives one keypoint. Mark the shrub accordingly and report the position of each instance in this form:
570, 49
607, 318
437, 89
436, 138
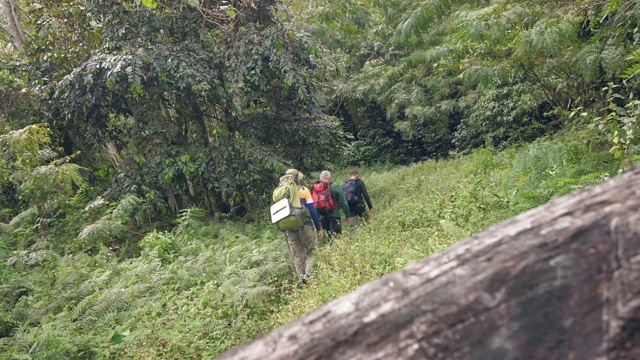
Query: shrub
502, 117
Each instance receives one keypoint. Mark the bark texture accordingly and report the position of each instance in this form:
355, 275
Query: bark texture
13, 26
559, 282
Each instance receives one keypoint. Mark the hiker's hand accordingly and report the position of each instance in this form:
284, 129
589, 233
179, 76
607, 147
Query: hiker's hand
347, 220
320, 234
371, 211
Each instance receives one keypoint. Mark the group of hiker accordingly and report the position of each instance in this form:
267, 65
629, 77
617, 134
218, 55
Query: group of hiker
305, 215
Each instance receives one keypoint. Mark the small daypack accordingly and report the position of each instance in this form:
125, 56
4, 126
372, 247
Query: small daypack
288, 212
349, 191
322, 198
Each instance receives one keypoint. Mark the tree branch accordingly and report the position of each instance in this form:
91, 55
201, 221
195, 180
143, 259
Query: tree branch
14, 26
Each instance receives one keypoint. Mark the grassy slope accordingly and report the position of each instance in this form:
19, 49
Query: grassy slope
205, 287
423, 208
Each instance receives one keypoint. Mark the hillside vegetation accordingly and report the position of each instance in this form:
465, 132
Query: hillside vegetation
140, 141
414, 79
206, 286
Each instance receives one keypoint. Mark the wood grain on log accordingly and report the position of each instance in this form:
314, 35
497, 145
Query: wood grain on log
559, 282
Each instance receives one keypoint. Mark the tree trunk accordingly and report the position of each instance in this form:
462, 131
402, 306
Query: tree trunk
559, 282
13, 26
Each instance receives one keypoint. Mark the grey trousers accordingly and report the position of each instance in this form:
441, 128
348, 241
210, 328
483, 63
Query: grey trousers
302, 244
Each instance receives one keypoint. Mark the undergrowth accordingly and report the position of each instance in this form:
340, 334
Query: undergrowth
424, 208
207, 286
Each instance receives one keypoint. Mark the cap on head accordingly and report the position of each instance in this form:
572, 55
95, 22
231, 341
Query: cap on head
297, 175
292, 172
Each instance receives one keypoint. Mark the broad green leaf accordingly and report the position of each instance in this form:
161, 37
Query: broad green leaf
124, 336
231, 13
116, 338
150, 3
617, 153
194, 3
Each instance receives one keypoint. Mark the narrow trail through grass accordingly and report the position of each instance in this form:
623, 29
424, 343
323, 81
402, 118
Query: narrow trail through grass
424, 208
207, 286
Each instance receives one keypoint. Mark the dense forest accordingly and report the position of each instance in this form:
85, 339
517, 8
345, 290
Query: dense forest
141, 141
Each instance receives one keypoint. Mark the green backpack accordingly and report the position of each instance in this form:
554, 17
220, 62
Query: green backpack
288, 212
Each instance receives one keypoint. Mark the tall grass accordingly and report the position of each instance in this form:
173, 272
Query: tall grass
207, 286
424, 208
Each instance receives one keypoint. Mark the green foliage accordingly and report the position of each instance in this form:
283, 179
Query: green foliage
150, 3
24, 150
112, 230
103, 232
204, 287
186, 104
48, 185
379, 142
18, 105
440, 70
423, 208
620, 124
175, 297
504, 116
186, 109
30, 173
25, 219
194, 105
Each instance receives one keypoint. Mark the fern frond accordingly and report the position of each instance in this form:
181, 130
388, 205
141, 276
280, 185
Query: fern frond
27, 144
205, 262
612, 60
634, 69
631, 71
126, 209
550, 36
25, 219
92, 285
101, 232
110, 301
453, 231
588, 62
97, 205
189, 220
413, 24
81, 307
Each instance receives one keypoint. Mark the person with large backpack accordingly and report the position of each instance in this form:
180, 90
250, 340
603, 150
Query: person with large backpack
329, 199
295, 215
355, 191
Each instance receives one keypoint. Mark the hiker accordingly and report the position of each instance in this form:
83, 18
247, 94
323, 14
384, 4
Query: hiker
302, 241
355, 191
329, 199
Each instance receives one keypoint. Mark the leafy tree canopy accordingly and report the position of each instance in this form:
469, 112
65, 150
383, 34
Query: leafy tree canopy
193, 103
425, 65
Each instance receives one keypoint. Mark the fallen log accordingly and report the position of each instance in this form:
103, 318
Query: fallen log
561, 281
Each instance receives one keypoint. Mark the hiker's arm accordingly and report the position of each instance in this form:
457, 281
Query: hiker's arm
365, 194
314, 215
